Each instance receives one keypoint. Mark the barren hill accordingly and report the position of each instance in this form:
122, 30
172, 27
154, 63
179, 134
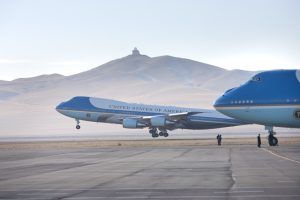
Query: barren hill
28, 105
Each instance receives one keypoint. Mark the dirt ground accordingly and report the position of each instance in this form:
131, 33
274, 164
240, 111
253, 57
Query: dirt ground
139, 143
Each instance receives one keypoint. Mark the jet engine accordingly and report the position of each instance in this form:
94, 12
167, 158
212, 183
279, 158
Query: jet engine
160, 121
132, 123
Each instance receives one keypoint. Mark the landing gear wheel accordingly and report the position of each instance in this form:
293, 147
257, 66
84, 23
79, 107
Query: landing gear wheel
166, 134
155, 135
161, 134
273, 141
153, 131
77, 122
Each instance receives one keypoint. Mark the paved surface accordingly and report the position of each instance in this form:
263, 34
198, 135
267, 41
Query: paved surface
204, 172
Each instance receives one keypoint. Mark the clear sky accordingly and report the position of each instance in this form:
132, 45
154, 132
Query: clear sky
70, 36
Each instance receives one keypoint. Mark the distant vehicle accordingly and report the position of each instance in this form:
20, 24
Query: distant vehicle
159, 119
270, 98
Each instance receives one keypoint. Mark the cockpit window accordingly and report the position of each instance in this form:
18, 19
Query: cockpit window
229, 90
256, 78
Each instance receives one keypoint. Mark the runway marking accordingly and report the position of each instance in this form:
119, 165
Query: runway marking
147, 189
283, 157
275, 187
184, 197
226, 192
176, 197
286, 181
135, 192
43, 194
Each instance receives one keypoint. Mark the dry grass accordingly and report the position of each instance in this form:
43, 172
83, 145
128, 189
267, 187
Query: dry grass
139, 143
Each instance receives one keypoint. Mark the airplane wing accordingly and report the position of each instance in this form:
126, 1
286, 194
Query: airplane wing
166, 121
179, 116
163, 121
172, 117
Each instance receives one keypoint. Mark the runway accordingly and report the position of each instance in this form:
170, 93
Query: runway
182, 172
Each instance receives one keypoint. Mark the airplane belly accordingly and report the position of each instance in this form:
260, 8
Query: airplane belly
205, 125
210, 123
281, 116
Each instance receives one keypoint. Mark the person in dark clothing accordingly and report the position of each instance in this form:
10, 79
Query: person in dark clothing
258, 141
218, 139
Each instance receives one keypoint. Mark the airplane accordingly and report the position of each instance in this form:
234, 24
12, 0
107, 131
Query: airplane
270, 98
159, 119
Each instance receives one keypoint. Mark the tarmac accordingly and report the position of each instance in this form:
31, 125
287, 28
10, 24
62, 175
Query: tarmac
179, 172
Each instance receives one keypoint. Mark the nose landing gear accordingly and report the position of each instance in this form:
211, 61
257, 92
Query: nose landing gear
273, 141
77, 126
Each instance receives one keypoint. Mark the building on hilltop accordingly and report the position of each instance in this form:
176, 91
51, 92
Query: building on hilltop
135, 52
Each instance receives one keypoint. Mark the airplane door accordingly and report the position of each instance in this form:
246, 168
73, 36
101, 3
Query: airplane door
297, 114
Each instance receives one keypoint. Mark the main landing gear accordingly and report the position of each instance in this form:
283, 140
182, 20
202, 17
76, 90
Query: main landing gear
162, 132
273, 141
77, 126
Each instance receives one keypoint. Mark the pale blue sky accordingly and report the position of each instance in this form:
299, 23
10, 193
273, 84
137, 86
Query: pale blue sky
70, 36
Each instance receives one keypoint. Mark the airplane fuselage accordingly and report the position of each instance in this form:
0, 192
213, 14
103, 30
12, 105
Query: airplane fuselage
140, 115
270, 98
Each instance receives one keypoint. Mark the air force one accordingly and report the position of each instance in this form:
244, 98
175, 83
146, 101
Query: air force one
270, 98
159, 119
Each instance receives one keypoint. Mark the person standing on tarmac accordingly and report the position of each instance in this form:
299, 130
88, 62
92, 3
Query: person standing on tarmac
258, 141
218, 139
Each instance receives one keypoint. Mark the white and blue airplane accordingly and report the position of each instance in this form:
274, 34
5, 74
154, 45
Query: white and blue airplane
159, 119
270, 98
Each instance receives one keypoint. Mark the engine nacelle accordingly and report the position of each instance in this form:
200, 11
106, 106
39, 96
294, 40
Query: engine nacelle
160, 121
132, 123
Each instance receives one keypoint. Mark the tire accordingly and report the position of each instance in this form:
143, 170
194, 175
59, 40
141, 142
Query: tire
166, 134
273, 141
153, 131
161, 134
77, 127
155, 135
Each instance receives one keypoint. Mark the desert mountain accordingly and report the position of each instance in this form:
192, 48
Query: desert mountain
30, 102
131, 75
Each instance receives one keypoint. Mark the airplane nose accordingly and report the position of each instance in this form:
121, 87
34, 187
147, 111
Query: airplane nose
60, 107
219, 102
222, 104
225, 99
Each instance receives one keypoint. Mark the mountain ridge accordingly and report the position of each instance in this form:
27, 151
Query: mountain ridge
163, 80
129, 72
